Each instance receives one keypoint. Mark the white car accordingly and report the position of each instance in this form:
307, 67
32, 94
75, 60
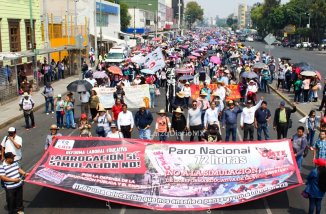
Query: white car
303, 45
116, 55
250, 39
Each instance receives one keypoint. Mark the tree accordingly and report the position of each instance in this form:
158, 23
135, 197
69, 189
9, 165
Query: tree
193, 13
124, 16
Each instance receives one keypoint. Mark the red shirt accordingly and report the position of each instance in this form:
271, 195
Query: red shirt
116, 109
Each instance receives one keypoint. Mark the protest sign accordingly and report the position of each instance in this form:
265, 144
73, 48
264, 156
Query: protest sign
233, 89
169, 176
136, 96
154, 60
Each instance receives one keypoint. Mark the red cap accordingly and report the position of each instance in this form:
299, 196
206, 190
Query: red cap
320, 162
83, 116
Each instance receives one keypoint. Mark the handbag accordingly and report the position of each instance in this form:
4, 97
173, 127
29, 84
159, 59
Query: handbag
62, 112
304, 194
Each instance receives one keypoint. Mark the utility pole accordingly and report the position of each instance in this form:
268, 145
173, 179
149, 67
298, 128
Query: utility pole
156, 23
33, 43
101, 35
46, 24
179, 16
95, 35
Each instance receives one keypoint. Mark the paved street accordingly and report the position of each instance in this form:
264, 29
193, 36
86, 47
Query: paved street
44, 200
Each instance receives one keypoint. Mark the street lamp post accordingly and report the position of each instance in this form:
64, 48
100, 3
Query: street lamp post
33, 43
179, 16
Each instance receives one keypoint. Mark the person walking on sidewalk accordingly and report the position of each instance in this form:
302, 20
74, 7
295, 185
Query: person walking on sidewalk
125, 122
162, 125
12, 143
27, 104
229, 120
59, 108
247, 119
323, 102
194, 122
299, 143
48, 93
282, 119
10, 174
143, 121
262, 117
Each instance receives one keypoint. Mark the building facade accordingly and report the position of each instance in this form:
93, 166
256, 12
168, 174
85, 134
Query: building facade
244, 18
141, 20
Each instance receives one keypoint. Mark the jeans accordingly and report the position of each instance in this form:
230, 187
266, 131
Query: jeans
264, 86
179, 136
70, 119
248, 129
49, 100
187, 101
59, 117
297, 95
310, 136
152, 94
231, 130
14, 198
162, 136
145, 134
262, 127
311, 95
315, 202
29, 115
299, 160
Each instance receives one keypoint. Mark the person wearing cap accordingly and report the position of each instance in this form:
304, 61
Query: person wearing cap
103, 120
59, 110
48, 95
206, 90
247, 119
262, 118
282, 121
114, 132
316, 188
162, 125
125, 122
179, 124
203, 104
12, 176
212, 134
12, 143
53, 133
137, 80
179, 101
265, 77
187, 93
143, 121
252, 89
27, 104
230, 120
84, 127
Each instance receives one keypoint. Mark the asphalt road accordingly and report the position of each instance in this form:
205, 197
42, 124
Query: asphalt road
41, 200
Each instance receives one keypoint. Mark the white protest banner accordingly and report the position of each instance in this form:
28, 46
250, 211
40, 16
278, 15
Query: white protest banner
139, 59
135, 96
155, 60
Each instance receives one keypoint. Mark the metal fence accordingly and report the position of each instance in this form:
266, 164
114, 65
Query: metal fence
8, 85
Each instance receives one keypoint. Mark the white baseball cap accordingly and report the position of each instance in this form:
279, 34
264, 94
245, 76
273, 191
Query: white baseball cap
12, 129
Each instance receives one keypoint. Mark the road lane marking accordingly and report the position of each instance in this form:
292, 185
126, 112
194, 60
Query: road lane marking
123, 210
267, 208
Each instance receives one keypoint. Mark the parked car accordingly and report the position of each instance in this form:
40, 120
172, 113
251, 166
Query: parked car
303, 45
322, 45
250, 39
277, 43
289, 44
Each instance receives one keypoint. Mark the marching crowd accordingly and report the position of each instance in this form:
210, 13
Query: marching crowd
205, 118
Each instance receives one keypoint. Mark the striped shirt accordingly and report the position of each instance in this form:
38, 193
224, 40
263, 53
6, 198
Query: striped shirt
10, 171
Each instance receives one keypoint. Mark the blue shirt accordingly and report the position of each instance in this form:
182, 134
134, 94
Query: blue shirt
261, 115
312, 185
143, 120
321, 148
229, 116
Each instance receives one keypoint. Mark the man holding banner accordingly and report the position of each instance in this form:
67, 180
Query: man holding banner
143, 121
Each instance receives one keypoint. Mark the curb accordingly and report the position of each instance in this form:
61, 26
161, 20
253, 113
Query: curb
299, 110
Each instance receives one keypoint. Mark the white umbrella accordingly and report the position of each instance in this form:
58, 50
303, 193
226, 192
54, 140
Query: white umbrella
308, 73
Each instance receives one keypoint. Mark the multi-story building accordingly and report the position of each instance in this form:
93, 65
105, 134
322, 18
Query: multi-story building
244, 19
142, 21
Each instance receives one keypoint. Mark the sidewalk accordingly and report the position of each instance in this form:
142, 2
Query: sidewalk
302, 108
10, 111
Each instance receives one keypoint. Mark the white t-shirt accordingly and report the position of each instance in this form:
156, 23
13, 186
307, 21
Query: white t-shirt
114, 135
91, 81
27, 104
103, 120
186, 91
10, 147
84, 98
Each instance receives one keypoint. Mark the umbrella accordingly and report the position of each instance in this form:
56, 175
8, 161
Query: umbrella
204, 44
221, 42
318, 75
100, 75
249, 75
308, 73
215, 59
186, 77
192, 57
184, 46
259, 65
195, 54
212, 42
156, 39
147, 71
184, 70
79, 86
245, 57
115, 70
304, 66
285, 58
234, 56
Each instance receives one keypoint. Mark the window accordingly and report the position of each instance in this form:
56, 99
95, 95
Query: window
14, 35
29, 34
105, 20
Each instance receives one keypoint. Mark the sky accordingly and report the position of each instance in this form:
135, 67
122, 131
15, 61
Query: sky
223, 8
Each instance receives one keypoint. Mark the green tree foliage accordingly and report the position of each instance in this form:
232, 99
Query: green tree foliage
193, 13
124, 16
